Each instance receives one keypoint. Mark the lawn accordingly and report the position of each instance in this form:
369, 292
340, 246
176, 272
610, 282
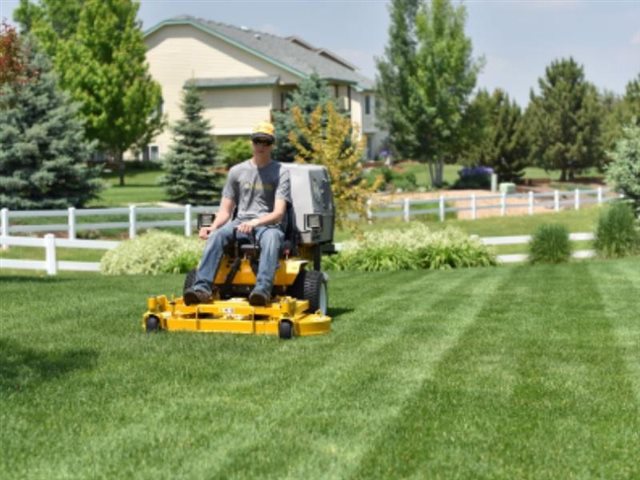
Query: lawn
511, 372
141, 186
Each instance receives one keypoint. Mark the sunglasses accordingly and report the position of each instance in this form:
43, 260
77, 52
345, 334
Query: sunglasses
261, 141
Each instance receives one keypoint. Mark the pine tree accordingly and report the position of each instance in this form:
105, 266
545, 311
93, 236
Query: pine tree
503, 144
564, 121
43, 150
311, 93
189, 164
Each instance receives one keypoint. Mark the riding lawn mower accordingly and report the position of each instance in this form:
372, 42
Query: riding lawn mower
299, 298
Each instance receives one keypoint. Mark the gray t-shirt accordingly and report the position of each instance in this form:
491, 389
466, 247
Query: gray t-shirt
254, 190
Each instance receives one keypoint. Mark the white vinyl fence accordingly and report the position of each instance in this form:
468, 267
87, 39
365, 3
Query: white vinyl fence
51, 265
549, 201
130, 219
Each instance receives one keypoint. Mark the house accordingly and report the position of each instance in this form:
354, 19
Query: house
245, 75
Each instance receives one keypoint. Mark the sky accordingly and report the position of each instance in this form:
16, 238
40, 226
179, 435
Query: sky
518, 39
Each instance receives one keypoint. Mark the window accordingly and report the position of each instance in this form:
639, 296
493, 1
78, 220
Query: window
367, 105
154, 153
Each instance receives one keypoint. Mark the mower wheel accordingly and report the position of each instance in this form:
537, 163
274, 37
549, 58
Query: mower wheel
152, 324
285, 329
315, 290
189, 280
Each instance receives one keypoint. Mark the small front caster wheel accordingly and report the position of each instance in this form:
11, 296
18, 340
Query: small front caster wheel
152, 324
285, 329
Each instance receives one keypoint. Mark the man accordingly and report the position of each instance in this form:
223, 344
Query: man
259, 188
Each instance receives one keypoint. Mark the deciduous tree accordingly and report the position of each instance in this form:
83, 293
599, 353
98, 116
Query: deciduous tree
99, 53
426, 81
333, 142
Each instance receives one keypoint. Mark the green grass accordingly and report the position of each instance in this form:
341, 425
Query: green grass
514, 372
140, 187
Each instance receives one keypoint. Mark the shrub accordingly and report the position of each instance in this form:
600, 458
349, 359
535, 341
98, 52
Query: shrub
624, 170
235, 151
616, 234
550, 244
474, 178
152, 253
414, 248
391, 179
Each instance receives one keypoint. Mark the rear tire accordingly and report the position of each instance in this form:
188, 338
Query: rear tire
312, 286
189, 280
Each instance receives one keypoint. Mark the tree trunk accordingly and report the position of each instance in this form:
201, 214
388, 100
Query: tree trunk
121, 166
563, 175
431, 173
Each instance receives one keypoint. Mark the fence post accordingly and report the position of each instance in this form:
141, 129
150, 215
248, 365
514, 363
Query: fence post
556, 200
187, 220
407, 209
577, 200
132, 221
503, 203
4, 226
441, 205
599, 195
474, 207
369, 214
50, 254
530, 203
72, 223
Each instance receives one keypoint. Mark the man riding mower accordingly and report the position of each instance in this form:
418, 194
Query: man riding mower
260, 270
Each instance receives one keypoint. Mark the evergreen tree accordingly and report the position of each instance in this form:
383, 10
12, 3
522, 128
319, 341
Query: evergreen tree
503, 145
426, 82
189, 164
624, 170
98, 51
618, 112
43, 150
564, 121
311, 93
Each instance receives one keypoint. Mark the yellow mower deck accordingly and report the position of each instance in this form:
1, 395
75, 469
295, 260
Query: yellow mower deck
285, 316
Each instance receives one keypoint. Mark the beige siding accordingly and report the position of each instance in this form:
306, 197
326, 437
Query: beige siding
234, 111
177, 53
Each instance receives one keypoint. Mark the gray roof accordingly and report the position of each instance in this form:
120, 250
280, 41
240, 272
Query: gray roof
290, 53
230, 82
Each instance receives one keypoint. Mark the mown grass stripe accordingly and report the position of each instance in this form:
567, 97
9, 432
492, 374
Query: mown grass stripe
367, 327
539, 393
617, 284
336, 426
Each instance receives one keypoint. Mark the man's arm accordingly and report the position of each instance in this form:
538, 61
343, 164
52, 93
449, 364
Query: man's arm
224, 214
272, 218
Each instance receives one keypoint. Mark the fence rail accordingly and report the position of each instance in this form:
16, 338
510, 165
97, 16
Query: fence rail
555, 200
51, 265
405, 208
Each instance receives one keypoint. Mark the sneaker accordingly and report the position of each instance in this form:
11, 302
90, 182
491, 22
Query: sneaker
259, 299
193, 297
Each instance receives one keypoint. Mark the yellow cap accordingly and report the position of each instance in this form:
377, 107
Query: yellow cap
264, 130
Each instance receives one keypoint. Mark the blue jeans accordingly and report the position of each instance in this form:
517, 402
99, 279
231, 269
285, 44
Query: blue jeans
269, 238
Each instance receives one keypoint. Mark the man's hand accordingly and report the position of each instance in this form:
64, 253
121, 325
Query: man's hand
205, 232
247, 227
